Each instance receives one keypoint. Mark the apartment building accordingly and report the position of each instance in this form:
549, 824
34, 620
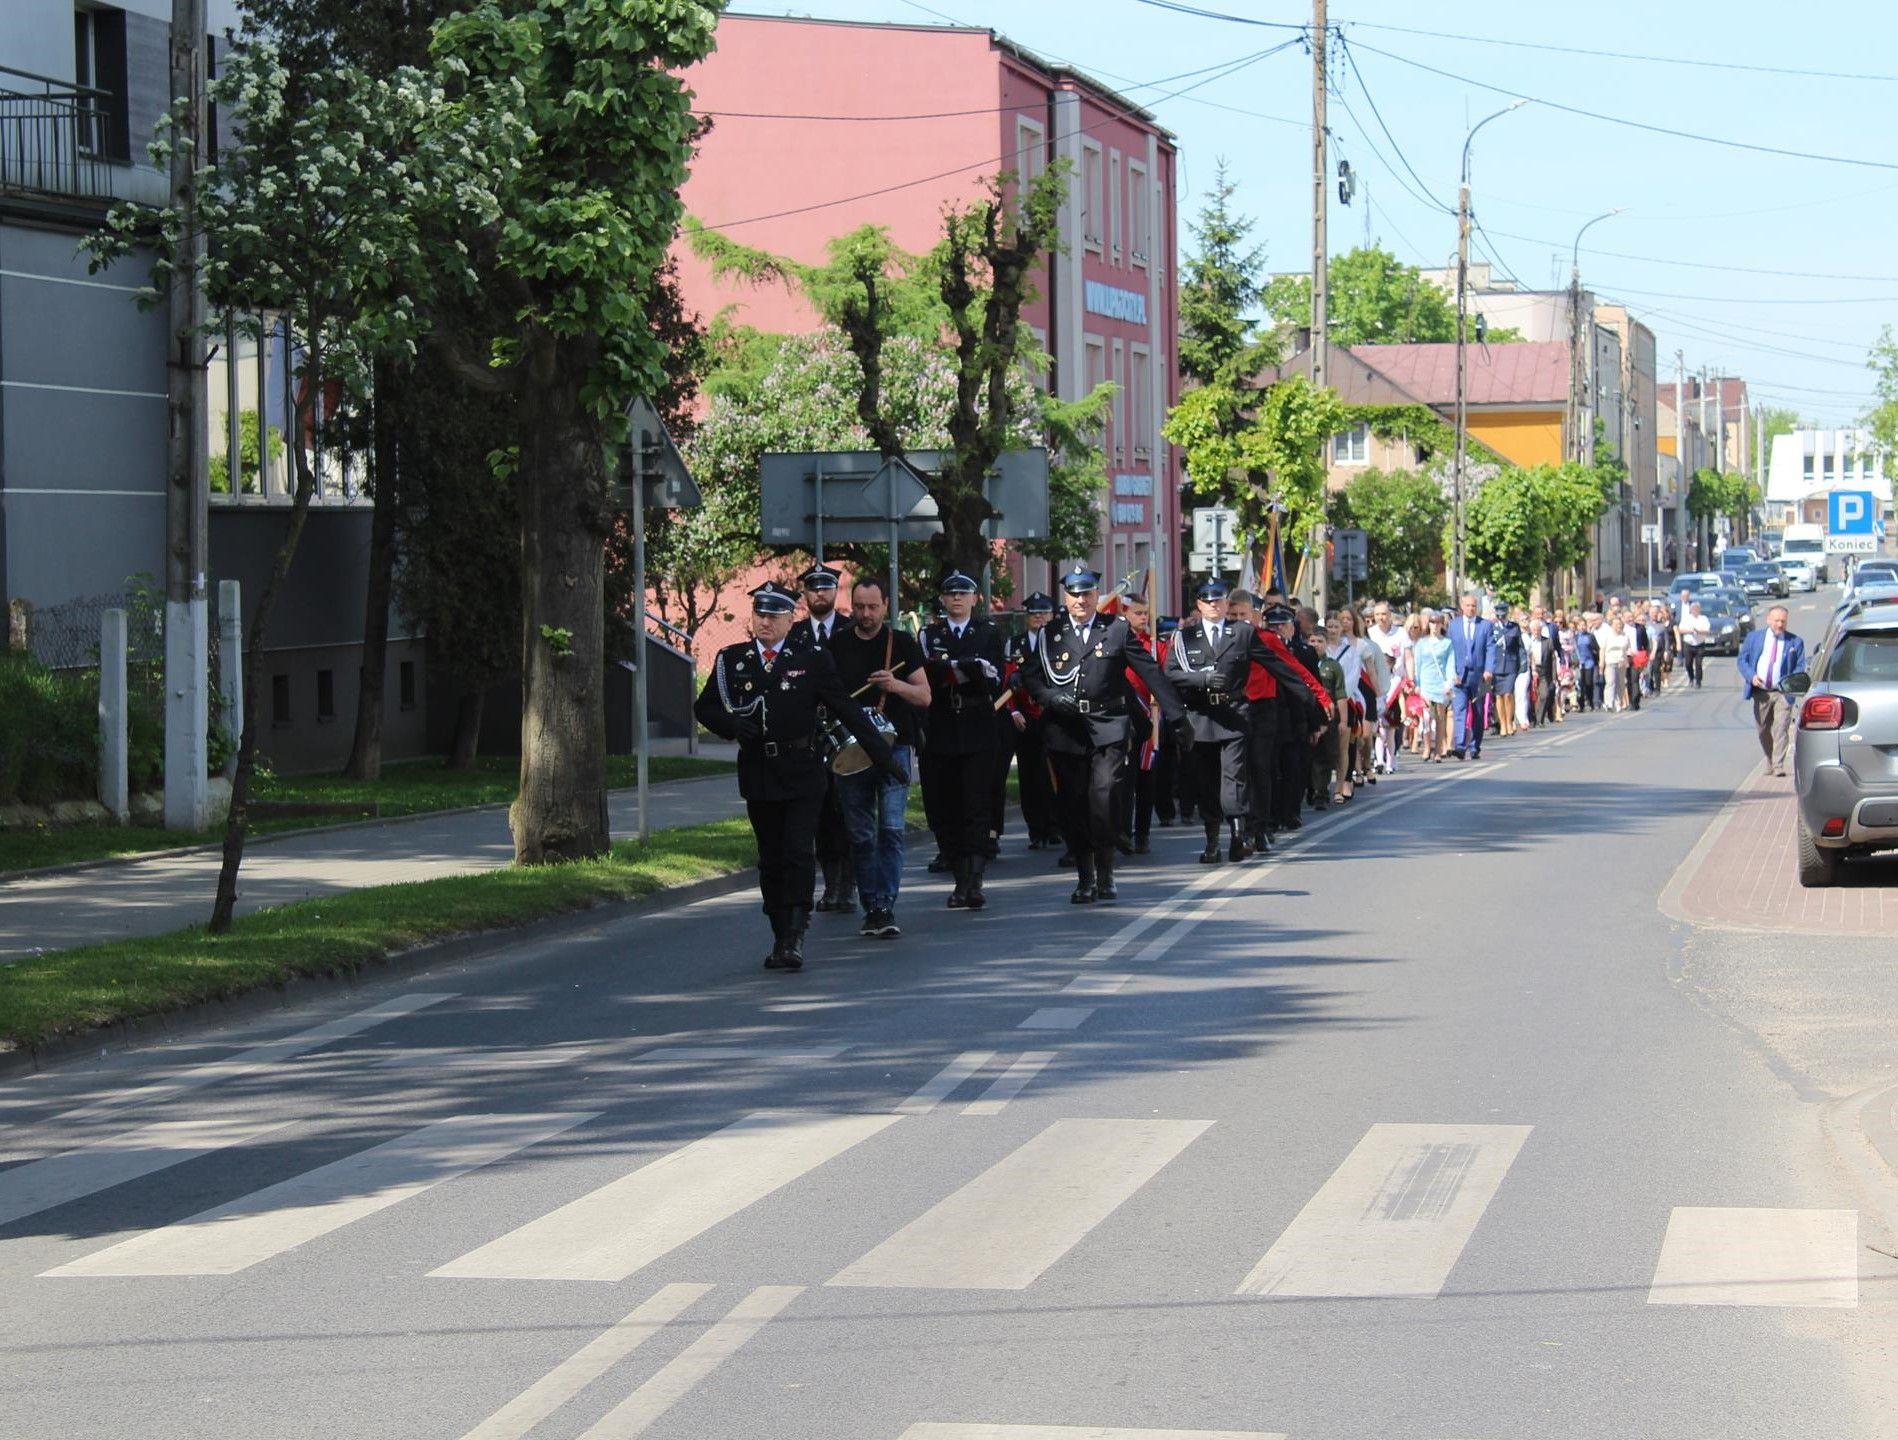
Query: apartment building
1808, 465
83, 411
820, 126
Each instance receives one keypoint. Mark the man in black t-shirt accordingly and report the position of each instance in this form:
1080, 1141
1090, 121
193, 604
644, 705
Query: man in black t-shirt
872, 653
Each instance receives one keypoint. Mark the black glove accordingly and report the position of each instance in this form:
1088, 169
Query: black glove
1182, 732
1062, 702
892, 771
749, 727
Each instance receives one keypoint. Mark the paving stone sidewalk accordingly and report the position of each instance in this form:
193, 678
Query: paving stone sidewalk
162, 893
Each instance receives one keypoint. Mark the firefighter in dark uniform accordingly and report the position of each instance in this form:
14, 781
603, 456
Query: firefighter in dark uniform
1024, 718
1088, 710
767, 694
821, 621
1209, 661
962, 657
1293, 772
1282, 696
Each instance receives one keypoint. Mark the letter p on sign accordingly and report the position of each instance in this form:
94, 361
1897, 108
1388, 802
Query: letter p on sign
1851, 512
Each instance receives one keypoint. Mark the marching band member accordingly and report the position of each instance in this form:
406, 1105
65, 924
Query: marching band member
963, 661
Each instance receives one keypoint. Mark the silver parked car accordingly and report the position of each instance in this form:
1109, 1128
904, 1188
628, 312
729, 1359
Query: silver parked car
1801, 574
1845, 745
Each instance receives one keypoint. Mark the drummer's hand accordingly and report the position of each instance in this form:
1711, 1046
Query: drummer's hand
1021, 720
883, 679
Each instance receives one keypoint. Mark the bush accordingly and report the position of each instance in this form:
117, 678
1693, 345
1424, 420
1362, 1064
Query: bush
49, 732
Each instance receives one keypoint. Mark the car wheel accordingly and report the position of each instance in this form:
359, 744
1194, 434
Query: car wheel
1817, 868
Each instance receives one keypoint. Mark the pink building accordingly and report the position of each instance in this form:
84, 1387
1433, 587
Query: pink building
822, 126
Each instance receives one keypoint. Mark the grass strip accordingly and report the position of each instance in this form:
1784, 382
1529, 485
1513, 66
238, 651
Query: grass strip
413, 787
43, 996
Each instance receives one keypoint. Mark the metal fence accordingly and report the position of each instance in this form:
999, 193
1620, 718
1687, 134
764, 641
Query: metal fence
66, 637
53, 136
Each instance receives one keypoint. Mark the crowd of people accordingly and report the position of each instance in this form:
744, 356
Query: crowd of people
1239, 717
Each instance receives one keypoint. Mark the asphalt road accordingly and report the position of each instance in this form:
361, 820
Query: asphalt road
1413, 1131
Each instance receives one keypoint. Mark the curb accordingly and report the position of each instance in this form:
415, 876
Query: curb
196, 1016
1863, 1129
75, 867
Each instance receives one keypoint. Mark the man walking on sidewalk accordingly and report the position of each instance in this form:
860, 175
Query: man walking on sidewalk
1767, 657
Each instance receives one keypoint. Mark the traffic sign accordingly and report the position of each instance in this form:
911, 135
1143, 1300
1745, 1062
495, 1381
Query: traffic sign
1215, 539
1852, 544
1650, 534
1851, 512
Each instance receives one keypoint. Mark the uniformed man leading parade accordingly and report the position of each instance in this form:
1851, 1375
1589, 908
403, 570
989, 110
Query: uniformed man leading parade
962, 657
1210, 660
1088, 708
821, 623
771, 693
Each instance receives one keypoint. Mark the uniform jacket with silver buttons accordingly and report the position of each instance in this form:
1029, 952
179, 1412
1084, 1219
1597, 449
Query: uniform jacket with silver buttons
1086, 699
962, 691
1212, 678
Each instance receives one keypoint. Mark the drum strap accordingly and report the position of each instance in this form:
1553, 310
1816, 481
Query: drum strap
889, 650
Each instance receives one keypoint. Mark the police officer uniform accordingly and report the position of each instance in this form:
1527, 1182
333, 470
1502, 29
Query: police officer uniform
1088, 704
769, 699
1283, 696
964, 666
833, 845
1210, 660
1031, 750
1293, 773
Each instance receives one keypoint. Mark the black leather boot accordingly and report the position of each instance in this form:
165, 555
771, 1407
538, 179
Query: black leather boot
1084, 891
959, 897
1210, 855
775, 960
791, 951
827, 902
1104, 888
1238, 850
973, 897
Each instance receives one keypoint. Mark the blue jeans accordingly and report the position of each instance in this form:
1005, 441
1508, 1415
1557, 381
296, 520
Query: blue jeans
874, 819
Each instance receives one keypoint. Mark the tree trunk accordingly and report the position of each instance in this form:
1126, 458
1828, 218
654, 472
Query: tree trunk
560, 813
365, 750
467, 744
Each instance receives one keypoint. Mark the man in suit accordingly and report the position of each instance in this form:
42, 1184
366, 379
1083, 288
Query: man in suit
1548, 656
1767, 657
1024, 717
765, 693
962, 657
1470, 637
1088, 708
820, 624
1209, 661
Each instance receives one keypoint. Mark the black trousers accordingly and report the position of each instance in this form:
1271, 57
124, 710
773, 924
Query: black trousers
1137, 795
1084, 790
1221, 778
1262, 744
1696, 661
1166, 767
1005, 747
1546, 688
960, 809
1037, 785
1293, 772
1587, 687
832, 841
787, 851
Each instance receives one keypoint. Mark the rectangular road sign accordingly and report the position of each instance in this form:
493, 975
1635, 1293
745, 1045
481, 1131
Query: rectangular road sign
1851, 512
1851, 544
1650, 534
858, 496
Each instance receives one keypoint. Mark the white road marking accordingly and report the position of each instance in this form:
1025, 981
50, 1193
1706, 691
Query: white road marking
612, 1232
270, 1221
1009, 1224
256, 1060
729, 1054
1156, 915
1058, 1017
1073, 1432
1394, 1217
1739, 1256
1009, 1084
587, 1364
638, 1412
41, 1184
1095, 984
944, 1082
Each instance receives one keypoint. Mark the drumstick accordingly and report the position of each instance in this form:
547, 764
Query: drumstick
896, 669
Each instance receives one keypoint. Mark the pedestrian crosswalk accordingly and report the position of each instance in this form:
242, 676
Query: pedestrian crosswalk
1404, 1206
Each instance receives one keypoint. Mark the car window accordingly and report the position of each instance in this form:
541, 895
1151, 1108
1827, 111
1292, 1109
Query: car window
1864, 656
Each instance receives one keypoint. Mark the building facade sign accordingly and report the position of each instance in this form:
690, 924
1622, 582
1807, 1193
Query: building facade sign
1133, 484
1114, 303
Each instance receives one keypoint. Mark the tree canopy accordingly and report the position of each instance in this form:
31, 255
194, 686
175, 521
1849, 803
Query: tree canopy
1402, 514
1375, 299
1527, 524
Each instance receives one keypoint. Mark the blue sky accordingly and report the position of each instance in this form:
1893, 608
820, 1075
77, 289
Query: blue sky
1738, 259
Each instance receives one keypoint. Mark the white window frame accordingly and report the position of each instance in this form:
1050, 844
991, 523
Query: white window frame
1093, 200
1031, 150
1093, 372
1139, 215
1352, 446
1118, 374
1140, 387
1114, 206
1040, 375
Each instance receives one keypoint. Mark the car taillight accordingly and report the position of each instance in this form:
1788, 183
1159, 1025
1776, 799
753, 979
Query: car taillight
1833, 828
1822, 712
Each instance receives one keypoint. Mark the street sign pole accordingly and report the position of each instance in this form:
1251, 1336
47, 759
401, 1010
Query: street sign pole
641, 729
890, 606
817, 508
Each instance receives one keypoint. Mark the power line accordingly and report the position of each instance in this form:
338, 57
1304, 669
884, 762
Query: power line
1706, 264
1762, 300
1630, 55
1641, 125
1231, 69
1202, 14
1378, 115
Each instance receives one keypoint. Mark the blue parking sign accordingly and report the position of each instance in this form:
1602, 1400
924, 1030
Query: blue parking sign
1851, 512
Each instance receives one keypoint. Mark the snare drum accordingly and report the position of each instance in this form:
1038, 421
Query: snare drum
850, 757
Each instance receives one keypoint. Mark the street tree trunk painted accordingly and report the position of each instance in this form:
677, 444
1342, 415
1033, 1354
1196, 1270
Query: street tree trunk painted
560, 813
365, 750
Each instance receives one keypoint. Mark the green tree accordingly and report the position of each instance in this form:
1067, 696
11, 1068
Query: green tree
1220, 339
1375, 299
586, 215
966, 297
1525, 525
1775, 421
1882, 418
1402, 513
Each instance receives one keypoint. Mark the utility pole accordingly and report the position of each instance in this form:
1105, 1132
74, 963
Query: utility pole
1684, 473
187, 491
1320, 269
1459, 532
1720, 444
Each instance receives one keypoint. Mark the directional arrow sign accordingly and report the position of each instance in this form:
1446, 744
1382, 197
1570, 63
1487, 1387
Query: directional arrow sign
896, 492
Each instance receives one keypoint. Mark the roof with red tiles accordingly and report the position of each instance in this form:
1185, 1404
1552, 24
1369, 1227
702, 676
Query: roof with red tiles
1533, 373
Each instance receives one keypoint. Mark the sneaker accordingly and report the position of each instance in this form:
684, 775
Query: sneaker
868, 929
887, 928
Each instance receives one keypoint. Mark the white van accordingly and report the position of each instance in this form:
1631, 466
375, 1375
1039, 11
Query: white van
1808, 542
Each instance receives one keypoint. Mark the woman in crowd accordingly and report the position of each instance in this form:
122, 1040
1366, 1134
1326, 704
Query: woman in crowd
1587, 662
1532, 648
1415, 709
1505, 664
1341, 646
1374, 685
1436, 675
1616, 646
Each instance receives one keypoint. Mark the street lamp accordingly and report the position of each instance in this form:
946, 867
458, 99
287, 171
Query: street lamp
1462, 317
1576, 361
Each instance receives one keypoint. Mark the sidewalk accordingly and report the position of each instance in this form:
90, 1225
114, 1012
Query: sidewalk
152, 896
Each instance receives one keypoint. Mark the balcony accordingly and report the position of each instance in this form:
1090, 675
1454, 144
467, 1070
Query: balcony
54, 138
